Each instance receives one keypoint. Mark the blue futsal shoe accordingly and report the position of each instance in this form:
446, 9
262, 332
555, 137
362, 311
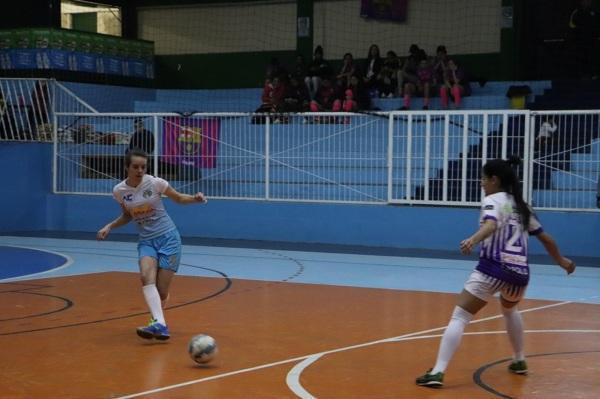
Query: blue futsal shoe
154, 330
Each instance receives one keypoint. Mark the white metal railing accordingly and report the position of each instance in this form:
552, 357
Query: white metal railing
424, 157
27, 108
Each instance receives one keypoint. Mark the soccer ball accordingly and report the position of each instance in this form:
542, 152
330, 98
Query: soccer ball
202, 348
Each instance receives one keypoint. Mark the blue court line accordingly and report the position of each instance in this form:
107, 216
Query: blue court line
325, 268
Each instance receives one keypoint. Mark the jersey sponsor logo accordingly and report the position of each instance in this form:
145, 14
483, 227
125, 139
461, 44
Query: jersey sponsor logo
128, 197
147, 194
519, 261
488, 207
142, 211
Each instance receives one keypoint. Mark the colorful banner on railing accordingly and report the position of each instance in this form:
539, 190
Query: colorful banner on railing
75, 51
390, 10
191, 141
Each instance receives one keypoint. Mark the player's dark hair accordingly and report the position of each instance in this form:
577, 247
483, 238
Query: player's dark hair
509, 182
136, 152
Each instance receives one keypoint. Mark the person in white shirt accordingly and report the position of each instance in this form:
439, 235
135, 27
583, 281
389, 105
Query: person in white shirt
506, 221
547, 129
159, 246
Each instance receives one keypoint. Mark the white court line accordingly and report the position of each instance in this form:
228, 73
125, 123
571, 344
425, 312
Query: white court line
68, 263
264, 366
293, 377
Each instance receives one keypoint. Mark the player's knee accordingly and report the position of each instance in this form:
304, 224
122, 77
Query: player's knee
508, 307
147, 279
462, 315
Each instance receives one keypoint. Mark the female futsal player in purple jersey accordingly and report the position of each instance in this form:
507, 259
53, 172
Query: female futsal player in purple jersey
159, 246
506, 221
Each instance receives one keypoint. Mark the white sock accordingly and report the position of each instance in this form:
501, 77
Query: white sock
153, 300
451, 339
514, 328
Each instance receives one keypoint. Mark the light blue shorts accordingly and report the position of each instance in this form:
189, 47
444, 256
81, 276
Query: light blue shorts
166, 249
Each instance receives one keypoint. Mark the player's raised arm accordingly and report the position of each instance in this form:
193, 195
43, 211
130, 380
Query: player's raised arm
181, 198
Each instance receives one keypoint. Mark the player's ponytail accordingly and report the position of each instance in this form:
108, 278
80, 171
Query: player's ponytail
509, 182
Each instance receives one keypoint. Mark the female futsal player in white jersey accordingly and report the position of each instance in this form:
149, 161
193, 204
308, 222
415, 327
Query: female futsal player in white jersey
506, 221
159, 246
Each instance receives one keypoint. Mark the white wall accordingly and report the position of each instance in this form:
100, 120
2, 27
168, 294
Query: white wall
464, 26
220, 28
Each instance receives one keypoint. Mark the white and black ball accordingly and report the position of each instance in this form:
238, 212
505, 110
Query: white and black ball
202, 348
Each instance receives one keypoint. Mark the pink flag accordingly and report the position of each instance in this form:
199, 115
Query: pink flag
190, 141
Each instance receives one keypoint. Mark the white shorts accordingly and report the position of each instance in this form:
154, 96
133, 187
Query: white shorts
485, 287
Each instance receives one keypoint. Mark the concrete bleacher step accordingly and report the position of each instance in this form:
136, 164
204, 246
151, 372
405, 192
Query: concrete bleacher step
574, 181
471, 102
501, 87
564, 199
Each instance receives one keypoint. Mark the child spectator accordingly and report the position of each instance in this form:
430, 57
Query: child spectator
422, 84
272, 98
348, 105
324, 98
371, 70
388, 76
296, 97
455, 82
318, 70
410, 77
347, 70
299, 69
440, 64
360, 93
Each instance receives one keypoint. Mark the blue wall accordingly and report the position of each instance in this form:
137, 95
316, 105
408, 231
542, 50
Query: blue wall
26, 180
28, 205
107, 98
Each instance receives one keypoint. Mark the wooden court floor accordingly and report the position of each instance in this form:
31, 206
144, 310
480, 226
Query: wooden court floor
74, 337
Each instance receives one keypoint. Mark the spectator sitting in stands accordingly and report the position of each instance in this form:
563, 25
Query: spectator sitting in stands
422, 86
455, 82
348, 105
360, 93
299, 68
142, 138
440, 64
318, 70
272, 96
372, 68
347, 70
325, 97
388, 76
409, 71
296, 97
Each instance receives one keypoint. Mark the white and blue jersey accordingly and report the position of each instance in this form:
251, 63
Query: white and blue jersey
144, 204
503, 255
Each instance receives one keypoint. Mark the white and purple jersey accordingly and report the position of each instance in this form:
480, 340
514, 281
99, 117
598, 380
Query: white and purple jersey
503, 254
144, 204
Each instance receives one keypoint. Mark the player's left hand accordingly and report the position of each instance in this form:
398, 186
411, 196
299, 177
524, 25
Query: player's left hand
200, 198
567, 264
466, 246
